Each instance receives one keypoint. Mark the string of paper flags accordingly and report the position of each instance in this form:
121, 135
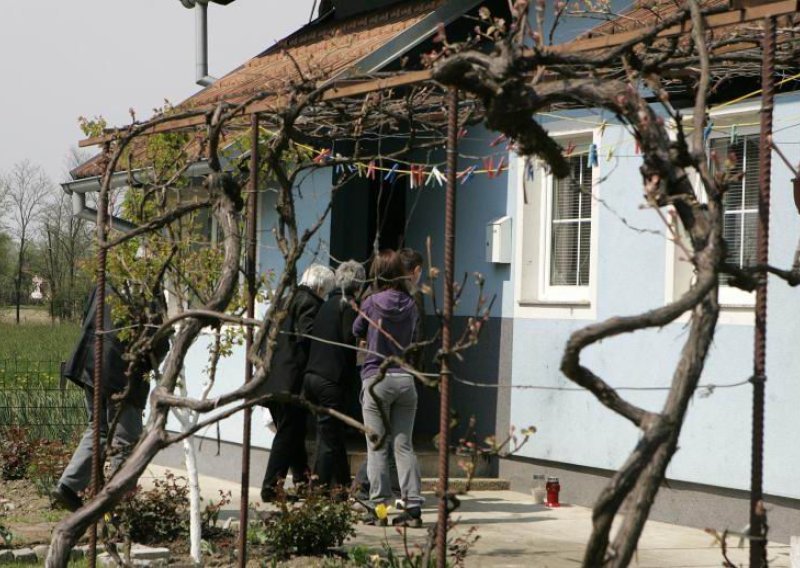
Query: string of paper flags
426, 175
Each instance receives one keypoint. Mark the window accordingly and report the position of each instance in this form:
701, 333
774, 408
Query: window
740, 202
736, 135
556, 234
570, 225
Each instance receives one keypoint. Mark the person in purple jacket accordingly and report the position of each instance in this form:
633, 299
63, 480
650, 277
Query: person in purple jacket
387, 319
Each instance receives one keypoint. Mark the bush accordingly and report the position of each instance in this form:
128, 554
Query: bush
310, 527
16, 450
39, 460
158, 515
48, 461
5, 536
161, 514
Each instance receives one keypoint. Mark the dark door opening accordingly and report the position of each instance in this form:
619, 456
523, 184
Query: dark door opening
364, 209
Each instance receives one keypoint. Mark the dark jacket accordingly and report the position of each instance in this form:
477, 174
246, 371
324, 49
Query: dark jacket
80, 366
334, 323
396, 313
291, 350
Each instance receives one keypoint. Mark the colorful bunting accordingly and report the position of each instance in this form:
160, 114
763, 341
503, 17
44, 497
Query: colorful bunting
497, 140
323, 156
391, 174
466, 175
707, 130
593, 156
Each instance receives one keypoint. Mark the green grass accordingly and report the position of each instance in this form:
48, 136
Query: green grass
31, 396
38, 342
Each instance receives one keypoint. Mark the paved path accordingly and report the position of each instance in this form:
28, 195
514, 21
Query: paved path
514, 531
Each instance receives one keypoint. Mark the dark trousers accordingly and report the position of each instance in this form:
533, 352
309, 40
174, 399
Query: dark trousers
331, 465
78, 473
288, 448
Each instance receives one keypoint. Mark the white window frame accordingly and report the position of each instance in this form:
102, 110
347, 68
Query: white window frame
553, 292
534, 296
736, 305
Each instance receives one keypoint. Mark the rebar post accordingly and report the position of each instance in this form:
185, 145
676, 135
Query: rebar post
250, 274
758, 542
97, 378
447, 316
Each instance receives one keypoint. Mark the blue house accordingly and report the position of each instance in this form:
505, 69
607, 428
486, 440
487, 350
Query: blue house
557, 259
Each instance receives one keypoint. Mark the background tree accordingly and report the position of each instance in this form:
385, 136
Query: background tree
26, 187
63, 245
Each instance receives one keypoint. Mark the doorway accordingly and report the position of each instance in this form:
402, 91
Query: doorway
363, 209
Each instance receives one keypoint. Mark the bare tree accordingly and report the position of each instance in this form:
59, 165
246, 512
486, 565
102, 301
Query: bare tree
64, 244
26, 186
164, 203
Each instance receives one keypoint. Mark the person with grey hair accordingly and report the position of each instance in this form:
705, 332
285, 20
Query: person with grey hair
331, 372
289, 361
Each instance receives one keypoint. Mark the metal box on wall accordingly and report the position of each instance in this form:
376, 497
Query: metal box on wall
498, 240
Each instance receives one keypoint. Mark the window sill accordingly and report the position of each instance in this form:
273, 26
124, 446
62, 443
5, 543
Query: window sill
555, 303
734, 307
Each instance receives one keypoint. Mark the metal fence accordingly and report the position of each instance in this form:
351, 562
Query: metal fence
35, 397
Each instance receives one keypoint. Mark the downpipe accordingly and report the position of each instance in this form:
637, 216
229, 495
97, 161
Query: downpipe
200, 7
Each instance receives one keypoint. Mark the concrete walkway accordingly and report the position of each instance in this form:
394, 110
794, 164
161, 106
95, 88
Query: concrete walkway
514, 531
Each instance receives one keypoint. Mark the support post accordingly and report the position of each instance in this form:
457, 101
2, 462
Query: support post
97, 377
758, 542
445, 372
250, 274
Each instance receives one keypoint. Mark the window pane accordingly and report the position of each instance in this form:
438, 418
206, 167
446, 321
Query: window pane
749, 240
571, 225
566, 197
732, 233
563, 259
751, 170
583, 256
741, 200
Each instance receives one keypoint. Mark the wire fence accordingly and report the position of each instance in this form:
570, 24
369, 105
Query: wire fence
34, 397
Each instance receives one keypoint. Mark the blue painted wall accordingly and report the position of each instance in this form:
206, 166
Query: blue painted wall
478, 201
631, 277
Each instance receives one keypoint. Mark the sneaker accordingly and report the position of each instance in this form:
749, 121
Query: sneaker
65, 498
411, 517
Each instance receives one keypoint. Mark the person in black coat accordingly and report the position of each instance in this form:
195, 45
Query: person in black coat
331, 371
288, 366
115, 376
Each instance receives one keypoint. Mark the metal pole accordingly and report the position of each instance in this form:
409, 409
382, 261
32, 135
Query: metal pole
758, 544
250, 271
444, 382
97, 379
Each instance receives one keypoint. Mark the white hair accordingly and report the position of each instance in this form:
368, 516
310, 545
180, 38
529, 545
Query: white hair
319, 278
349, 276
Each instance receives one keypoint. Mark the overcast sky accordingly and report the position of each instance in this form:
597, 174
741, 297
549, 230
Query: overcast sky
60, 59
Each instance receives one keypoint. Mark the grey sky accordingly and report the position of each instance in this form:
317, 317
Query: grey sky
62, 59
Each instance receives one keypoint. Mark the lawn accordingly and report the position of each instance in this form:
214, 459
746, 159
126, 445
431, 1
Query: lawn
37, 341
32, 395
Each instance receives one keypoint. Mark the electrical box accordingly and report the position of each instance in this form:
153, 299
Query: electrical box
498, 241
